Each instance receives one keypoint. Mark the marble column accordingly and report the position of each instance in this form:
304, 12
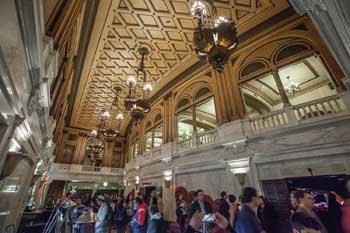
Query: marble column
169, 202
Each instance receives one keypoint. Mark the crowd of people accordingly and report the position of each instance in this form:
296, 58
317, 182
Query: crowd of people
249, 213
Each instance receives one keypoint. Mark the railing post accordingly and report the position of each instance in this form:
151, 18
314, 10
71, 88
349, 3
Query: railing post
291, 117
345, 96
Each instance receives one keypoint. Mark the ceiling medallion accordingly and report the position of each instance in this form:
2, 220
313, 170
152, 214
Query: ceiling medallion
135, 104
215, 37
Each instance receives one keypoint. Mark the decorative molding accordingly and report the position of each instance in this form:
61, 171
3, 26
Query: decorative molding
236, 147
316, 6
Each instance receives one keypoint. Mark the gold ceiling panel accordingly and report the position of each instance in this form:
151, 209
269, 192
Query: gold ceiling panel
166, 28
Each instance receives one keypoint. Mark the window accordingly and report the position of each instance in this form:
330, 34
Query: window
302, 81
311, 78
199, 118
153, 137
261, 95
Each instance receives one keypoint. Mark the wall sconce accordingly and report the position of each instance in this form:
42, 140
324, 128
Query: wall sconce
137, 182
240, 168
168, 176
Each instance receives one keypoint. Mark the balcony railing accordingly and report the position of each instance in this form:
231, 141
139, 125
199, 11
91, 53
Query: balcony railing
198, 140
298, 114
293, 115
275, 119
83, 169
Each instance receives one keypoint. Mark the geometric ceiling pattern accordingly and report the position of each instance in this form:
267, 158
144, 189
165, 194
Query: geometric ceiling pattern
166, 28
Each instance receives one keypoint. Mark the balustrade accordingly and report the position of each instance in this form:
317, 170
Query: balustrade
311, 110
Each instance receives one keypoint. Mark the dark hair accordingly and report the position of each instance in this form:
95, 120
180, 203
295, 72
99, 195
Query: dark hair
138, 201
300, 221
223, 194
232, 198
300, 194
198, 191
153, 209
248, 194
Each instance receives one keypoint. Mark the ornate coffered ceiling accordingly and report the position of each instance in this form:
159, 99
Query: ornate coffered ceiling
165, 27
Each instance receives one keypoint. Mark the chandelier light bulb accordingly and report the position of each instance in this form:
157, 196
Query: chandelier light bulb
120, 116
131, 81
106, 114
220, 20
93, 132
148, 87
198, 10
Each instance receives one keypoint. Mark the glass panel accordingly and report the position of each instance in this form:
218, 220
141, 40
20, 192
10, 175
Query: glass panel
260, 95
158, 136
185, 124
306, 80
205, 116
148, 140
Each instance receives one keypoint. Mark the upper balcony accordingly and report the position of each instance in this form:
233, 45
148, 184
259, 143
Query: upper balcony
302, 115
61, 171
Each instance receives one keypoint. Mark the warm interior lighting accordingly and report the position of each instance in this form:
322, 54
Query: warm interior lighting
131, 81
119, 116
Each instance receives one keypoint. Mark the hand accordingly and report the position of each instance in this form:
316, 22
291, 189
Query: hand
221, 221
338, 198
195, 221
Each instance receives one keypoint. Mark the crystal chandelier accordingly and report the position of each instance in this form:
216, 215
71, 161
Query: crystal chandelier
215, 37
292, 87
138, 105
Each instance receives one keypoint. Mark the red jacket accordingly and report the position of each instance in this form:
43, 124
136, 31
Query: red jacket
141, 214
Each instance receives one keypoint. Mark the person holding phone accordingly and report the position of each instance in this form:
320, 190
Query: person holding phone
199, 218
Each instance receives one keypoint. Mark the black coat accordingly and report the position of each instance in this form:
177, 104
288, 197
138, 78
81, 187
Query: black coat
224, 209
196, 207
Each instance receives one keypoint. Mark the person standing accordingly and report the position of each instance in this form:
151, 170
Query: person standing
306, 206
120, 215
153, 199
100, 224
75, 212
267, 215
182, 213
246, 221
344, 207
233, 210
200, 204
224, 206
156, 223
139, 223
302, 223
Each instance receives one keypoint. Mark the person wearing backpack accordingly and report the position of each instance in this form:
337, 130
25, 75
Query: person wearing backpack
156, 223
139, 222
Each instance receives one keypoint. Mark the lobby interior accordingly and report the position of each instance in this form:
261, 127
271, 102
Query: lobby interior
128, 96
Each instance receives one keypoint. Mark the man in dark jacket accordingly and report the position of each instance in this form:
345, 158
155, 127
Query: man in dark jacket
224, 206
247, 222
200, 205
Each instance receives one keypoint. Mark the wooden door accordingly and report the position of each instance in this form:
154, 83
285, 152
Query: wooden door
276, 191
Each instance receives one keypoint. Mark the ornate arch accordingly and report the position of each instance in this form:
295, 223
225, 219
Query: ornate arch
190, 92
291, 51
